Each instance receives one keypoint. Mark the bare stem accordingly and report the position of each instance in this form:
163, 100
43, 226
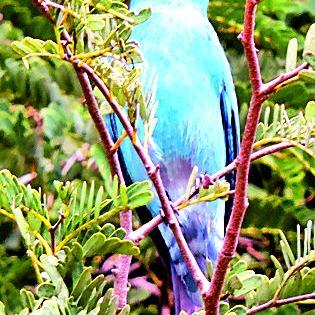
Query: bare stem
147, 228
53, 230
153, 172
121, 281
260, 92
277, 303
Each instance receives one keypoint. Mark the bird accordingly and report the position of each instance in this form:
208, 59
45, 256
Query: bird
197, 124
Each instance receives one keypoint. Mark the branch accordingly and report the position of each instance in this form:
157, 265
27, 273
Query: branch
278, 303
121, 282
153, 172
260, 92
282, 80
52, 231
139, 234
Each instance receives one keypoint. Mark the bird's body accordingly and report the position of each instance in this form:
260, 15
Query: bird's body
197, 124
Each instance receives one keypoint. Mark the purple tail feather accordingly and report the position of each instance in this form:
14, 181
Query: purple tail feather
185, 299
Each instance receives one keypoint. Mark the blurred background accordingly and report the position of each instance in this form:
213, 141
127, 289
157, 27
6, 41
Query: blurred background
46, 134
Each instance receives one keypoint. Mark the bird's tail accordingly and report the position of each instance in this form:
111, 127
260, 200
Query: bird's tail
186, 298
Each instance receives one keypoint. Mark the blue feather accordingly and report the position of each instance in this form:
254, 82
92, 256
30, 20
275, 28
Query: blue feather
197, 125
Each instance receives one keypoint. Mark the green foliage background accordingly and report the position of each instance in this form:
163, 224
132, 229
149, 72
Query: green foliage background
43, 124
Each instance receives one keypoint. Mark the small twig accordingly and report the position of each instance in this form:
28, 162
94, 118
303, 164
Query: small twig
260, 92
27, 178
153, 172
121, 283
53, 230
147, 228
278, 303
280, 81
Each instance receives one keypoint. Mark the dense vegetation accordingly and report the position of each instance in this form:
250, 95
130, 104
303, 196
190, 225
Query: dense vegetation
47, 138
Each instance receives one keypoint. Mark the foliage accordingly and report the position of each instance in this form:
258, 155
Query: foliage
45, 129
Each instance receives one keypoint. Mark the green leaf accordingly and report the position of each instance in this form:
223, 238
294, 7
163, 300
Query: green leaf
82, 282
142, 16
94, 244
125, 310
307, 76
46, 290
50, 266
238, 310
98, 244
292, 52
308, 282
27, 298
310, 109
96, 22
2, 309
84, 299
224, 307
249, 284
50, 307
309, 44
23, 225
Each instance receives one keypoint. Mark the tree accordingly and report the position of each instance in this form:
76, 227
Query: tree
54, 243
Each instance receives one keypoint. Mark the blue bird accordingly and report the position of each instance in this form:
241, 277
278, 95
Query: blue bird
197, 124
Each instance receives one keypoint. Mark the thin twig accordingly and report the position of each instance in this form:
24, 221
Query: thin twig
147, 228
153, 173
272, 303
121, 282
259, 93
53, 230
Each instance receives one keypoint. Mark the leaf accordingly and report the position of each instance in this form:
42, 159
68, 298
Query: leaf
249, 284
291, 59
140, 200
94, 244
224, 307
27, 298
98, 244
125, 310
89, 289
49, 265
310, 109
50, 307
82, 282
142, 16
238, 310
309, 44
46, 290
23, 225
96, 22
2, 308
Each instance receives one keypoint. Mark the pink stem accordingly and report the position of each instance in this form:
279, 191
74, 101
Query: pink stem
121, 280
153, 172
147, 228
212, 297
277, 303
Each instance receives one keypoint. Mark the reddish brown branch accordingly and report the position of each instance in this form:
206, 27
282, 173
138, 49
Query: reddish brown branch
280, 81
277, 303
212, 297
121, 281
153, 172
147, 228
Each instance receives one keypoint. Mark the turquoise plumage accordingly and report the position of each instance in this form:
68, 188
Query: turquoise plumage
197, 124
